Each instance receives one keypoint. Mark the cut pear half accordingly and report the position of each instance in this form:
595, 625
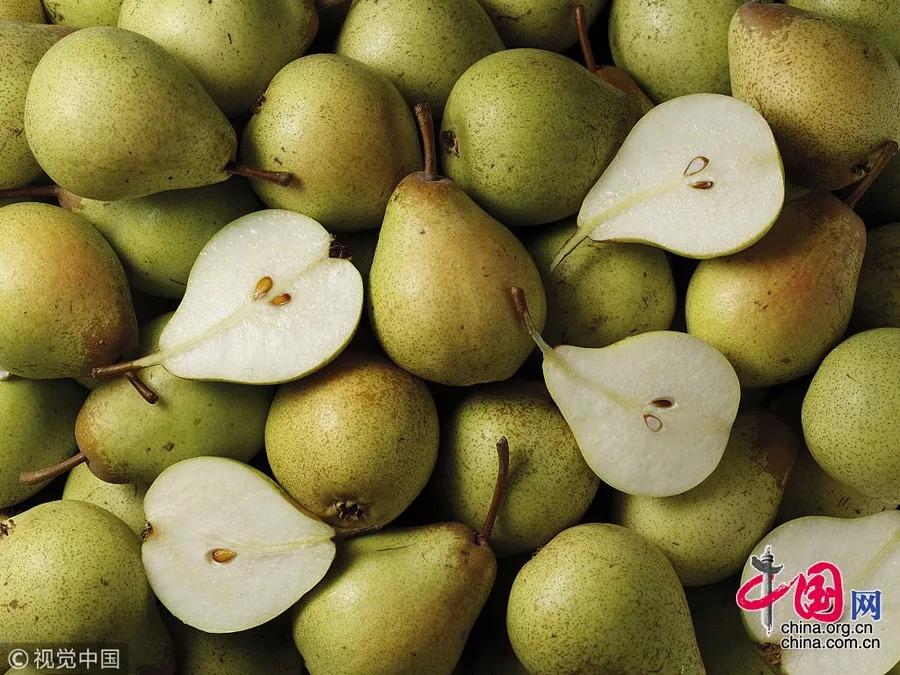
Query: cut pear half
698, 175
651, 413
867, 553
225, 548
266, 302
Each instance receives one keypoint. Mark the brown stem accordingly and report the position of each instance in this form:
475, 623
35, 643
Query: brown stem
499, 489
142, 388
888, 150
282, 178
33, 191
426, 129
586, 51
622, 81
51, 472
103, 372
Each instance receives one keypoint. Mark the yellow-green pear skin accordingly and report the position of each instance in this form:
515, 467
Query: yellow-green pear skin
831, 104
600, 598
64, 298
71, 574
234, 48
422, 48
852, 411
354, 443
673, 47
26, 11
400, 601
878, 291
549, 486
541, 24
115, 139
83, 13
439, 288
21, 47
159, 237
365, 141
880, 19
37, 429
526, 133
122, 500
708, 532
776, 308
606, 291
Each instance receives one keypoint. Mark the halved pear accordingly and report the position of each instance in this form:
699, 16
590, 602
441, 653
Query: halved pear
698, 175
867, 552
265, 303
651, 413
225, 548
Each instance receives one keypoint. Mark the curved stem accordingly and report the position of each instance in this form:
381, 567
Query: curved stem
521, 305
51, 472
35, 191
282, 178
888, 150
587, 52
623, 81
426, 130
499, 489
145, 391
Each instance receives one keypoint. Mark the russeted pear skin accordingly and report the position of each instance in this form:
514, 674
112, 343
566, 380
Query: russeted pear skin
26, 11
541, 24
164, 133
829, 93
881, 19
776, 308
123, 500
83, 13
65, 300
878, 292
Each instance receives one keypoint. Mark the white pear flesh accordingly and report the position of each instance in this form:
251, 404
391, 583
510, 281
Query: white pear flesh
867, 551
209, 504
699, 175
4, 374
651, 413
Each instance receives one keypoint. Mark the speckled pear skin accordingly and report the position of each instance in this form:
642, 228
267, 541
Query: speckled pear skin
390, 37
37, 429
852, 410
166, 134
878, 292
400, 601
549, 486
21, 47
673, 48
600, 598
83, 13
458, 333
122, 500
881, 19
234, 48
354, 443
541, 24
830, 94
365, 141
64, 297
27, 11
776, 308
71, 573
708, 532
526, 133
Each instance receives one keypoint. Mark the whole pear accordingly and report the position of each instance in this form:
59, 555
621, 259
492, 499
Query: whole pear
122, 500
344, 131
26, 11
776, 308
851, 412
831, 105
527, 133
65, 301
234, 48
168, 134
674, 47
605, 292
37, 428
542, 24
601, 599
881, 19
83, 13
356, 442
878, 292
422, 48
708, 532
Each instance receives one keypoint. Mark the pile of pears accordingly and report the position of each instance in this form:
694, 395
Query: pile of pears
366, 337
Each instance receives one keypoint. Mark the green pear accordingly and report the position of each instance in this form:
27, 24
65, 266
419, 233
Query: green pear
708, 531
601, 599
605, 292
776, 308
549, 486
344, 131
122, 500
21, 47
159, 237
356, 442
830, 94
878, 291
27, 11
64, 298
165, 134
528, 132
542, 24
851, 412
83, 13
673, 48
233, 48
37, 428
71, 574
422, 48
880, 19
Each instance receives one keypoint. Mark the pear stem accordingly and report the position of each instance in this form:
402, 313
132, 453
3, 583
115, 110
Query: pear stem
51, 472
282, 178
499, 490
521, 305
426, 130
33, 191
587, 51
622, 80
145, 391
344, 535
888, 150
